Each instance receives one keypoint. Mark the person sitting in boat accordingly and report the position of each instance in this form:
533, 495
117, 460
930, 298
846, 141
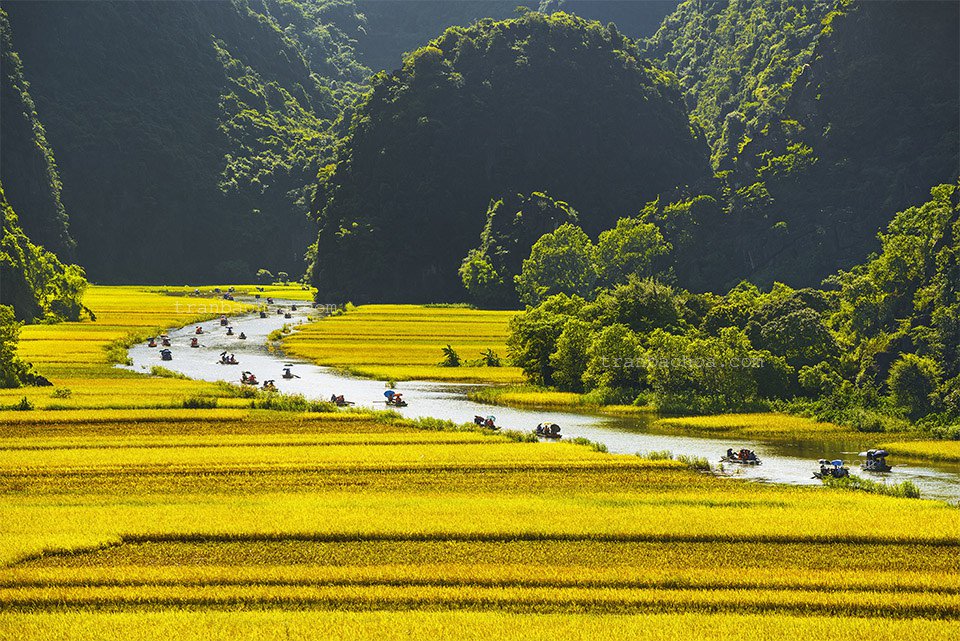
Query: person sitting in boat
194, 342
333, 397
199, 330
269, 386
287, 373
242, 336
229, 331
478, 420
488, 423
152, 342
730, 454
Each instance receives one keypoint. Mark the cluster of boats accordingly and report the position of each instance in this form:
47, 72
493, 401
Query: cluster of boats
875, 461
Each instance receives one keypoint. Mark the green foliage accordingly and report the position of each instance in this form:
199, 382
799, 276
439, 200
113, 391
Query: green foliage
450, 357
614, 359
29, 170
906, 489
494, 108
569, 359
632, 248
561, 262
32, 280
737, 61
491, 358
225, 113
12, 368
912, 382
514, 224
533, 336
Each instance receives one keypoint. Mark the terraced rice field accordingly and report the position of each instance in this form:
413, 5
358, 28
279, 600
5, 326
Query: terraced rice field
404, 342
125, 520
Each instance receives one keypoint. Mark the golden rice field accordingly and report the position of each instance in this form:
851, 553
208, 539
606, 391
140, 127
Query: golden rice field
125, 516
766, 424
933, 450
404, 342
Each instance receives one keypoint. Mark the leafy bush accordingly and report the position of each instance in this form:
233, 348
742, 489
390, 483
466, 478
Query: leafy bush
199, 403
450, 357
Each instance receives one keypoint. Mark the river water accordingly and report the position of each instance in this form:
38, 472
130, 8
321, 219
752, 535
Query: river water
791, 463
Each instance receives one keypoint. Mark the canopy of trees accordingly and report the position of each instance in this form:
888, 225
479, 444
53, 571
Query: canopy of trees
880, 340
552, 103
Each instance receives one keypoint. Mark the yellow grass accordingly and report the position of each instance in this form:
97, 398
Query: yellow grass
404, 342
932, 450
758, 425
271, 625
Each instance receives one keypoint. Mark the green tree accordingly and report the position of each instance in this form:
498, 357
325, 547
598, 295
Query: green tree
912, 382
615, 359
630, 248
560, 262
12, 369
534, 334
484, 285
569, 360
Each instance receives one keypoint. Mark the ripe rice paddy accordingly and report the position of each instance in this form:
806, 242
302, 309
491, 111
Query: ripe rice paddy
127, 516
404, 342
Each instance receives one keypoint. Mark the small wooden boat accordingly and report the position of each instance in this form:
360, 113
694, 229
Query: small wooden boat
548, 430
743, 457
831, 469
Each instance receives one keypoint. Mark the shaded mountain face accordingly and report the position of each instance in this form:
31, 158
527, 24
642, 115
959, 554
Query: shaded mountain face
186, 133
817, 146
27, 164
394, 27
552, 103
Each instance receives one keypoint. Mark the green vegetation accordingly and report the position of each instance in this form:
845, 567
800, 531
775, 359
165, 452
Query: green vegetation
30, 171
33, 281
221, 121
820, 131
495, 108
875, 349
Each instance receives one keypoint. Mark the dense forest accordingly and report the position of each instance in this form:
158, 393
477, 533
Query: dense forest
550, 103
817, 128
184, 130
875, 346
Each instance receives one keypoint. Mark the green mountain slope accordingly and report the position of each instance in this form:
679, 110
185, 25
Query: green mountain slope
27, 164
860, 130
557, 104
33, 281
185, 130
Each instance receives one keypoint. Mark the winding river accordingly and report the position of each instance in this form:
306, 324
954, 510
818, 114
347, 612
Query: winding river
791, 463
